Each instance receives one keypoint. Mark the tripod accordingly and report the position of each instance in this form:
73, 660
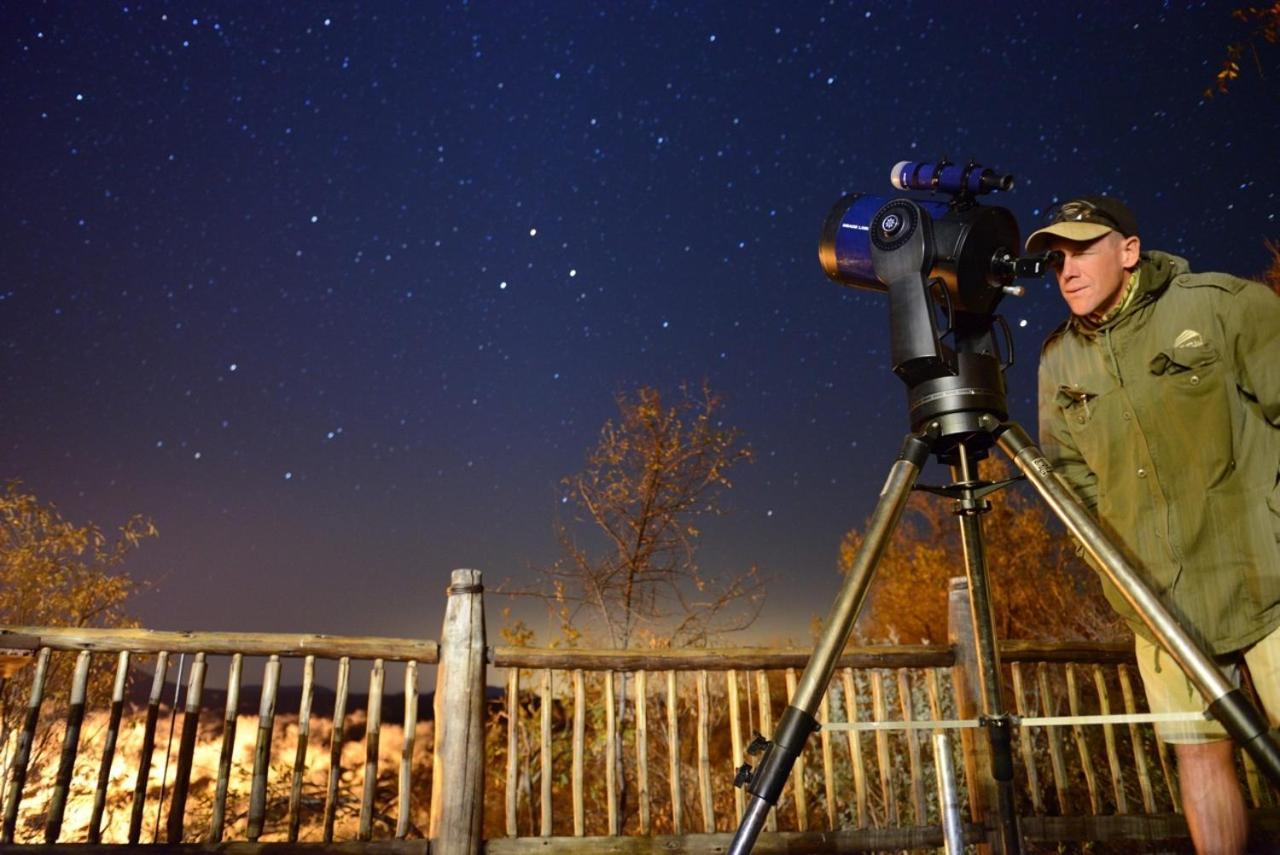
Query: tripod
958, 409
1228, 705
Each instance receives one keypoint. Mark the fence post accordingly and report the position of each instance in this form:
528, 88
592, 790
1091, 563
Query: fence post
964, 681
457, 783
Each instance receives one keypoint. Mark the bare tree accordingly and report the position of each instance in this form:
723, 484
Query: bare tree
629, 568
628, 575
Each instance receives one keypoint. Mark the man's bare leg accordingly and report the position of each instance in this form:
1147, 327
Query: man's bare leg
1211, 797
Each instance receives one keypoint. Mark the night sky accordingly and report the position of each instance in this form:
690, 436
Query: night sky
337, 293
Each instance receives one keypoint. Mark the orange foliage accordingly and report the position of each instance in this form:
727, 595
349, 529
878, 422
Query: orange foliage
56, 573
1265, 26
1271, 276
1040, 589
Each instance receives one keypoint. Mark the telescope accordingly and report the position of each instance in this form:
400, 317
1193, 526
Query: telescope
945, 263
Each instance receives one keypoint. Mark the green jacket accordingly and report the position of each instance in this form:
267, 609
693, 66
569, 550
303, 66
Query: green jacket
1165, 420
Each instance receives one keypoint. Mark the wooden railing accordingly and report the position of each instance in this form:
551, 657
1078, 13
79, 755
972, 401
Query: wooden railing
135, 650
580, 750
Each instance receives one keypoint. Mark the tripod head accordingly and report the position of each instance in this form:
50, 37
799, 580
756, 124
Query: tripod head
952, 257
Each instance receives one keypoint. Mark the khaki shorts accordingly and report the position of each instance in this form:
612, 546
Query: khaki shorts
1169, 690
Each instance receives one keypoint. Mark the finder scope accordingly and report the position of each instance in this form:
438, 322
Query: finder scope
972, 178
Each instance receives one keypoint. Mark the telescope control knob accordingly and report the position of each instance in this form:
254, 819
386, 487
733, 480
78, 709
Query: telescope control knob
892, 225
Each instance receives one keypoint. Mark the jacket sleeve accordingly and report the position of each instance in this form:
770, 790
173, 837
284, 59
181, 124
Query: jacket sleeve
1058, 445
1253, 327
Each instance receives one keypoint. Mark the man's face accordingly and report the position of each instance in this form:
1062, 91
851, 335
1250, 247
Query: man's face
1093, 273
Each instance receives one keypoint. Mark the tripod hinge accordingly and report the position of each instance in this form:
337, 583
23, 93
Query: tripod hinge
745, 773
970, 506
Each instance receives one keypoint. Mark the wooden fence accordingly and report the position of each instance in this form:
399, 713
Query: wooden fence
580, 750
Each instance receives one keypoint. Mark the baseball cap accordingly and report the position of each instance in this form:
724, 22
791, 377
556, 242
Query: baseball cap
1085, 218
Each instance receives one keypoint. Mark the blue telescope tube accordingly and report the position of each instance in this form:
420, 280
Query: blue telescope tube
845, 247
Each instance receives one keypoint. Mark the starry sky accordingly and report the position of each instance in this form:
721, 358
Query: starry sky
336, 293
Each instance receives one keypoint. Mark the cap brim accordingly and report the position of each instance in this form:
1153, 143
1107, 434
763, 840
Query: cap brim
1068, 230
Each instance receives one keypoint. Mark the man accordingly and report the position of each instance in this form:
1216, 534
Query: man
1160, 406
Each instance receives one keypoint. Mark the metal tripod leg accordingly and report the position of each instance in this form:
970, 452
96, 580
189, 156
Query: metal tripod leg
765, 782
1227, 704
996, 722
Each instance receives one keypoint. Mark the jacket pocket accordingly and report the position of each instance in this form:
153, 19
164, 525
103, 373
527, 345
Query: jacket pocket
1085, 409
1189, 366
1196, 396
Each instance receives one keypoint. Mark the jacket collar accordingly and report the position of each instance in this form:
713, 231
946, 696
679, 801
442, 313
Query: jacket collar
1155, 271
